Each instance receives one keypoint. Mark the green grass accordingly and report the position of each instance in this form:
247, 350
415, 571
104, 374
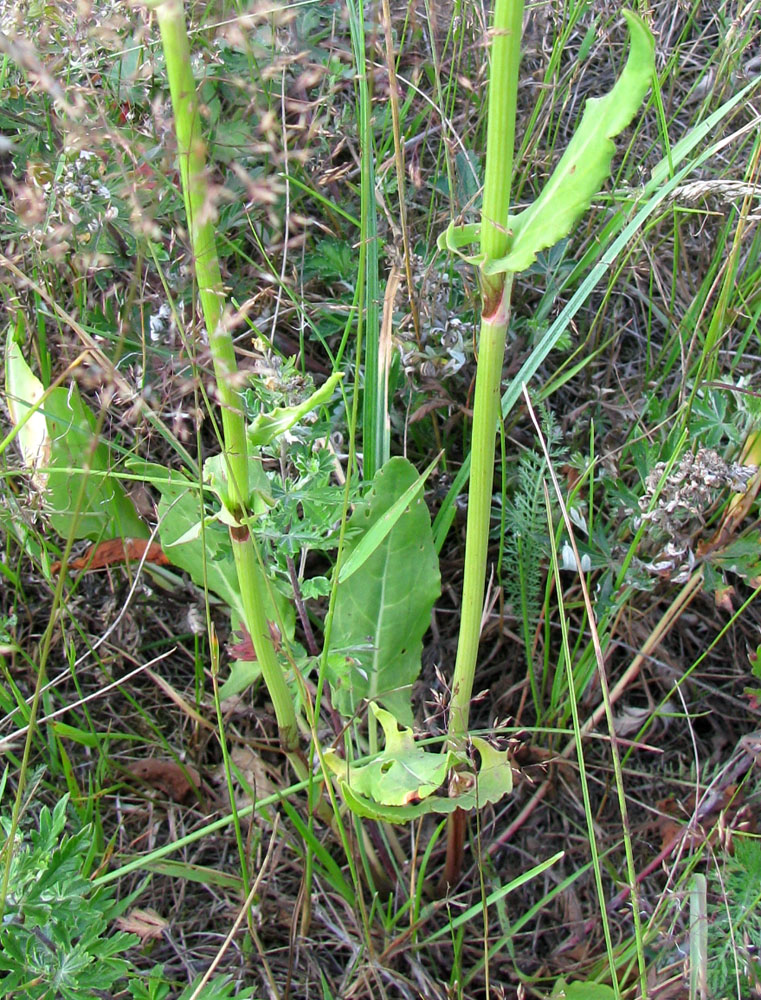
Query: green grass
638, 336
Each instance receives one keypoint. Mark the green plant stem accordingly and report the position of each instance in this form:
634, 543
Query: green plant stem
495, 293
199, 210
500, 141
485, 413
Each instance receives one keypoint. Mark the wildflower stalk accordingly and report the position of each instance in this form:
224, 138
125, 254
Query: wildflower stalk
495, 312
192, 163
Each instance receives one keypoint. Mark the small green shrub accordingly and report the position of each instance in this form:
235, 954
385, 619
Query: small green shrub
54, 939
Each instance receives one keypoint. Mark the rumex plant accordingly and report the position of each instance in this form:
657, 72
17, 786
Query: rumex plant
509, 244
386, 576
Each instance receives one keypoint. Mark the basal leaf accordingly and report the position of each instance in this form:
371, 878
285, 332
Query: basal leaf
56, 432
183, 540
399, 784
373, 538
383, 611
23, 391
403, 773
582, 991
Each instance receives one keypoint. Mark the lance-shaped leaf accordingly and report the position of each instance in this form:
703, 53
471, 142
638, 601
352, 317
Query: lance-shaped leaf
585, 164
56, 432
384, 609
580, 173
373, 538
185, 540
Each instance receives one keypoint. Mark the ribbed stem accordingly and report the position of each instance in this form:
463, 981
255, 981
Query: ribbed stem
495, 293
191, 152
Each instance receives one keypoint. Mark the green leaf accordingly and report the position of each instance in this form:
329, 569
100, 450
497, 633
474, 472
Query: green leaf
373, 538
454, 237
383, 612
582, 991
56, 431
259, 496
586, 162
183, 538
741, 556
404, 772
398, 784
183, 541
267, 426
580, 173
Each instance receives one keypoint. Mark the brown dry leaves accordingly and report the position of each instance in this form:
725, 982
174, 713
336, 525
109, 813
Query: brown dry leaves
178, 783
147, 924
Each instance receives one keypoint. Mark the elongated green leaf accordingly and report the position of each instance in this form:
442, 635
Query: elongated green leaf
56, 435
585, 164
23, 393
619, 232
382, 613
582, 991
182, 539
373, 538
267, 426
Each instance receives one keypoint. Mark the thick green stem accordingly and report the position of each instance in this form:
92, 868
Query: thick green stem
500, 128
191, 152
200, 214
495, 293
486, 412
247, 565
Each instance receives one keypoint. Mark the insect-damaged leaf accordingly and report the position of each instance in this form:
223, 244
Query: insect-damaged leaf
399, 784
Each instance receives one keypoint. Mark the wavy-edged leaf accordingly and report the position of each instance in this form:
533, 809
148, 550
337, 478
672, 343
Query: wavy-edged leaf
267, 426
585, 164
402, 773
399, 784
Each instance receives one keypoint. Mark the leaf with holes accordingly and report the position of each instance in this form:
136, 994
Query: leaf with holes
399, 784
